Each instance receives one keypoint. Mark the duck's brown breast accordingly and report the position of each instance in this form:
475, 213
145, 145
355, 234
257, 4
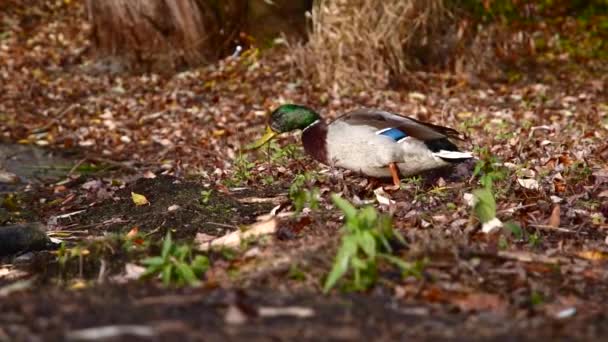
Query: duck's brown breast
314, 140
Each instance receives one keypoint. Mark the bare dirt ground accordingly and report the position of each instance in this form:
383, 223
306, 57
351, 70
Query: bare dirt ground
178, 139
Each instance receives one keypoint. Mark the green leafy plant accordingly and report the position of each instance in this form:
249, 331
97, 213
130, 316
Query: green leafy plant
66, 254
488, 169
413, 183
206, 196
176, 265
283, 154
534, 240
302, 197
536, 298
242, 171
365, 241
515, 230
485, 205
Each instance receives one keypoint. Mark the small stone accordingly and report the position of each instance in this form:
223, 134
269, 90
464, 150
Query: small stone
8, 178
235, 316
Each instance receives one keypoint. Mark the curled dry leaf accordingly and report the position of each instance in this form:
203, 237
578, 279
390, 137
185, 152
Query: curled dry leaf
133, 232
528, 183
382, 197
554, 220
491, 226
234, 239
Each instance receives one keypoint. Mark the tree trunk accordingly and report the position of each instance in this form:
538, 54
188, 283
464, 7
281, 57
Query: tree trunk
164, 35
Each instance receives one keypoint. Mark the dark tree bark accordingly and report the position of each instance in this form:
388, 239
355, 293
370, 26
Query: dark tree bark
164, 35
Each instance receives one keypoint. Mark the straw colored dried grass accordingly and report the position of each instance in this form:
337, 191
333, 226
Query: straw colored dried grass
363, 43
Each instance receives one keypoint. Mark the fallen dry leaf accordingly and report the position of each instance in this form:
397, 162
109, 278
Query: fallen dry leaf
139, 199
554, 220
234, 239
527, 183
480, 302
382, 197
132, 233
593, 255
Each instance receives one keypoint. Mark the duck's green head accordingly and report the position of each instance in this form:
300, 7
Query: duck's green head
287, 118
291, 117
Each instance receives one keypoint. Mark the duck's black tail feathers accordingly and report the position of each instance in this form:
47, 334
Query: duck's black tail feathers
446, 150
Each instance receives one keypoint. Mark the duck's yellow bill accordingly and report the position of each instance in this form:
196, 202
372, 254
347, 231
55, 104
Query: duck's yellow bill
263, 140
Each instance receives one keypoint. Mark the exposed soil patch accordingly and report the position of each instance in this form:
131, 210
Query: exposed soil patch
184, 206
263, 314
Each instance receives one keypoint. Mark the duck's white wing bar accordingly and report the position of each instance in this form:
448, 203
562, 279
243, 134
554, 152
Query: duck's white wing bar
453, 154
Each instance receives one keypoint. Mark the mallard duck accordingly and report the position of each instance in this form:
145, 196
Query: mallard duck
369, 141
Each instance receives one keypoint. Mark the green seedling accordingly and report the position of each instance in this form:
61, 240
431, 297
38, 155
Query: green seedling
485, 205
515, 230
536, 298
242, 171
488, 169
302, 197
282, 155
176, 265
206, 196
534, 240
365, 241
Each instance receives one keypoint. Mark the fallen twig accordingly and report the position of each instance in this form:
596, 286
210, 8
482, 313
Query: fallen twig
559, 229
56, 119
111, 331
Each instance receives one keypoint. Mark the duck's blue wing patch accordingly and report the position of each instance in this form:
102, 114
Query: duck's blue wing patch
393, 133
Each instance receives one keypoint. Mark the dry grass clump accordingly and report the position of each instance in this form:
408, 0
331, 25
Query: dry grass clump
363, 43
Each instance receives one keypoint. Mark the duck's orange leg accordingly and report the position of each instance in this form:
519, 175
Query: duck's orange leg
395, 174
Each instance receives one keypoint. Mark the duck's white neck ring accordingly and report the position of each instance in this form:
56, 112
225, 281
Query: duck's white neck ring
312, 124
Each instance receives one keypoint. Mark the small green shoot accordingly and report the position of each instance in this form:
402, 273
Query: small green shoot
176, 265
503, 243
515, 230
242, 171
536, 298
281, 155
487, 169
534, 240
415, 183
295, 273
485, 205
206, 196
302, 197
365, 240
